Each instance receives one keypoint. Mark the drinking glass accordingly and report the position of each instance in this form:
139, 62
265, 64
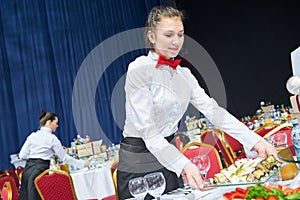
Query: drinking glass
280, 140
156, 184
204, 164
138, 187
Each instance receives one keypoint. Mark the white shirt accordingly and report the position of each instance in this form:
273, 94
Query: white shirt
43, 144
156, 100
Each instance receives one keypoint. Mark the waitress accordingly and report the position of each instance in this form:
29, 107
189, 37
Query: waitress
158, 92
38, 149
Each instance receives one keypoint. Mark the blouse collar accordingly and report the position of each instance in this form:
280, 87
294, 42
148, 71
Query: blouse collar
46, 129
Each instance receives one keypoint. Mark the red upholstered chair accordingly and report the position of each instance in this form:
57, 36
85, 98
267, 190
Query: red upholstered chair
213, 136
111, 197
180, 140
6, 192
195, 149
234, 146
8, 188
263, 130
55, 184
272, 129
12, 173
19, 172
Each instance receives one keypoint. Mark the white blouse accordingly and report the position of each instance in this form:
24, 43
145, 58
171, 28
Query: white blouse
156, 100
43, 144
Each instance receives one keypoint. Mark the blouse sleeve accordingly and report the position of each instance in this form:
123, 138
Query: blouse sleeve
62, 154
24, 152
221, 117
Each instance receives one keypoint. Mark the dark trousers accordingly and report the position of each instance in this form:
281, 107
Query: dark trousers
135, 160
33, 168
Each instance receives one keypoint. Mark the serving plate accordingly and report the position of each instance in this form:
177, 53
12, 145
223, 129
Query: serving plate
209, 184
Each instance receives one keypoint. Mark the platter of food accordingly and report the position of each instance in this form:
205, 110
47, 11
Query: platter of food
246, 172
269, 191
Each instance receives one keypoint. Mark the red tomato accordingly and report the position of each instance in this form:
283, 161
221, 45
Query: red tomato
297, 189
240, 190
237, 196
288, 191
272, 198
260, 198
228, 194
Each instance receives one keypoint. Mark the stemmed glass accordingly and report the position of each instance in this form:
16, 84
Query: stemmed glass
138, 187
203, 164
156, 184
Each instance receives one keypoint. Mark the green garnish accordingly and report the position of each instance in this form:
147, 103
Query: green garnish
237, 171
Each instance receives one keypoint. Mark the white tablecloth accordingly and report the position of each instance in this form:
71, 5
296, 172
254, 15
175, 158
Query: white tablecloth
93, 184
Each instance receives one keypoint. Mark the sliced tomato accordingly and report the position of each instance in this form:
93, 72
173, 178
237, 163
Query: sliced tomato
297, 190
237, 196
259, 198
288, 191
272, 198
241, 190
279, 187
228, 194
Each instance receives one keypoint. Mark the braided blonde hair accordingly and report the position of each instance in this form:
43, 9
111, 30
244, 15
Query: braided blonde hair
155, 16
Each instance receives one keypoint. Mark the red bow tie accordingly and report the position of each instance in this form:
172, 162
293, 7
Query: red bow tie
172, 63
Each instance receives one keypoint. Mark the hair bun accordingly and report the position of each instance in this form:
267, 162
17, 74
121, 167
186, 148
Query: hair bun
42, 114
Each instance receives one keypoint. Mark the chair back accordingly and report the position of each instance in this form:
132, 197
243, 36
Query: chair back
10, 189
273, 129
55, 184
195, 149
263, 130
19, 172
12, 173
234, 146
6, 191
213, 136
180, 140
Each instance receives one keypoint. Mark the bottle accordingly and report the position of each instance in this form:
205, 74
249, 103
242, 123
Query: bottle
296, 137
87, 138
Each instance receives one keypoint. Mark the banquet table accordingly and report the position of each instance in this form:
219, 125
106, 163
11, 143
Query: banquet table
93, 184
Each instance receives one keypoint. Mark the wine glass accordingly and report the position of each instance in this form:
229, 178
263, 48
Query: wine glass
156, 184
138, 187
204, 164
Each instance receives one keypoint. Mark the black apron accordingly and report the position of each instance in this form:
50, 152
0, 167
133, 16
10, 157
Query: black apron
135, 160
33, 168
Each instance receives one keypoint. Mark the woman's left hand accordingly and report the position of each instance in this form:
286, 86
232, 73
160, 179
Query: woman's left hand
265, 149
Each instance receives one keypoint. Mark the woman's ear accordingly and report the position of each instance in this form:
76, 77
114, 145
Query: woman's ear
48, 122
151, 37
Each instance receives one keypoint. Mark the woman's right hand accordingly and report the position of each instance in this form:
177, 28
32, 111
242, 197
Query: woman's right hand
193, 176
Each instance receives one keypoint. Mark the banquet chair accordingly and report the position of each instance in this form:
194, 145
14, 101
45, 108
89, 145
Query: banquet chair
8, 188
263, 130
19, 172
55, 184
180, 140
234, 146
12, 173
114, 166
195, 149
272, 129
213, 136
6, 191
